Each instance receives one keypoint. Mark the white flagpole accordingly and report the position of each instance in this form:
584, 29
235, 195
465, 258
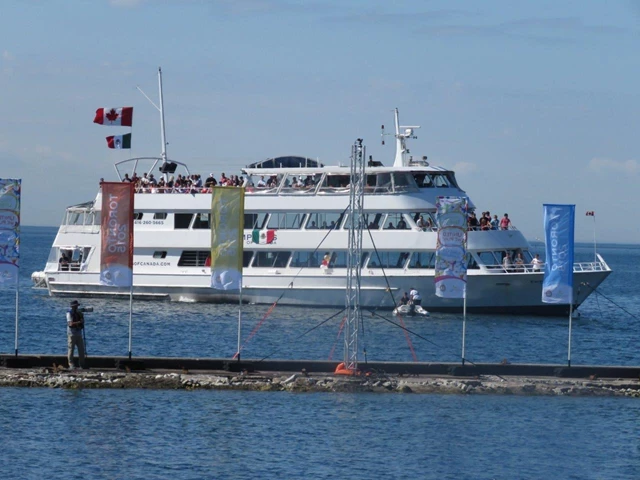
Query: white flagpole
130, 315
464, 323
17, 316
595, 251
570, 320
239, 320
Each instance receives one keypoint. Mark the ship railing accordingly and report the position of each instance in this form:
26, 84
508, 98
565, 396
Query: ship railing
433, 228
590, 267
530, 268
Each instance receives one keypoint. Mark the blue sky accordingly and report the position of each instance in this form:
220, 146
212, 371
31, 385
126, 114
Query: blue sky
529, 102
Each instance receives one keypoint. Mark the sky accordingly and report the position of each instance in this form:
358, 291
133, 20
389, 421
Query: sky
528, 102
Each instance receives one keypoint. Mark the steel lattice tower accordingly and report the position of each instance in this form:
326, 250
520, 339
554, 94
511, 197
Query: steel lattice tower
354, 256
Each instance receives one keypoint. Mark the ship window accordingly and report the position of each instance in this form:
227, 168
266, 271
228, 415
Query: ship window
373, 221
422, 260
160, 216
452, 179
471, 263
336, 183
137, 215
427, 223
338, 260
263, 183
397, 220
402, 182
300, 183
289, 221
182, 220
201, 221
441, 180
96, 218
383, 182
305, 259
389, 259
324, 221
487, 258
193, 258
424, 180
271, 259
255, 221
160, 254
246, 258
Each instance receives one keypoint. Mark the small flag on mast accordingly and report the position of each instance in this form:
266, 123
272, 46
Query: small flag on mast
119, 141
591, 213
114, 116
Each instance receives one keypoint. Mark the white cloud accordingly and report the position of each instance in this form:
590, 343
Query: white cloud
465, 167
6, 55
606, 164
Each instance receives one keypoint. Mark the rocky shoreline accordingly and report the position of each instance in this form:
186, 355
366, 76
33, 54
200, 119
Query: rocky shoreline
303, 382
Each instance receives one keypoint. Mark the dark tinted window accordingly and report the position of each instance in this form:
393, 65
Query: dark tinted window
182, 220
193, 258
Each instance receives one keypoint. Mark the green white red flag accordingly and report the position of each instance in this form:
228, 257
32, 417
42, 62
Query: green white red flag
263, 237
114, 116
119, 141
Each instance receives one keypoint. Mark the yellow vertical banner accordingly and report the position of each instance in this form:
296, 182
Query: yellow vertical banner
227, 224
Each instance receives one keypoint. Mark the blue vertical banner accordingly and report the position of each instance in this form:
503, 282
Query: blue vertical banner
451, 249
9, 231
557, 286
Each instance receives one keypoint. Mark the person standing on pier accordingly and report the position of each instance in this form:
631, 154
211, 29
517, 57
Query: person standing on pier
75, 327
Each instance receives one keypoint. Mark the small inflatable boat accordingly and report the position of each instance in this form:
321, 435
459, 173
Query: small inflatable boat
410, 310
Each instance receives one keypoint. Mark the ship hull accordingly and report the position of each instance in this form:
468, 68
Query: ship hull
506, 293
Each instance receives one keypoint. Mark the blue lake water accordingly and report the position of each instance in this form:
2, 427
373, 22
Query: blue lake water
129, 434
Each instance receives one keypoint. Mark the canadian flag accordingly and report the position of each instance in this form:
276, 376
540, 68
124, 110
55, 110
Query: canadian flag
591, 213
114, 116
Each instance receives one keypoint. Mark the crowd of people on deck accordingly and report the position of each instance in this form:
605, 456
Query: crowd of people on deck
147, 183
487, 222
516, 263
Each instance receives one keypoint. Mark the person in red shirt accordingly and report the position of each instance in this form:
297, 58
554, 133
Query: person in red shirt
505, 222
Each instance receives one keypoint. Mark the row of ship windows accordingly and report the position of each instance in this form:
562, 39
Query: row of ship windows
383, 182
338, 259
297, 221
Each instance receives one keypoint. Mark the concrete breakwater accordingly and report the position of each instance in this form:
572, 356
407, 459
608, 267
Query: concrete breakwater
57, 377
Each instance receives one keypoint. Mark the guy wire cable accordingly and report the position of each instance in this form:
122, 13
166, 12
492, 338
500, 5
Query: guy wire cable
284, 291
303, 334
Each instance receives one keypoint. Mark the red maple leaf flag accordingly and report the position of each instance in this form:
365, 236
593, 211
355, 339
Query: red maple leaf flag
591, 214
114, 116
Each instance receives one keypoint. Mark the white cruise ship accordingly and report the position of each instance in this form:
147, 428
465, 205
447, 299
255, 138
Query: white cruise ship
295, 218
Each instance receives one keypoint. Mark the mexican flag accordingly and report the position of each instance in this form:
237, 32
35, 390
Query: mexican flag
263, 237
114, 116
119, 141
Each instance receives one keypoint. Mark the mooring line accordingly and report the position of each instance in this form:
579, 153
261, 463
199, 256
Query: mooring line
607, 298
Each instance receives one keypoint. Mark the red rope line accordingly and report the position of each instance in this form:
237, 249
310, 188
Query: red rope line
344, 319
406, 334
256, 328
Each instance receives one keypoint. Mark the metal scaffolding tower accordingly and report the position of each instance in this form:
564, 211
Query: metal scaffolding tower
354, 257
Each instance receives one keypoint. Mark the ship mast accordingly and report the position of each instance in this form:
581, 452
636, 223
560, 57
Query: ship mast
160, 109
163, 133
402, 158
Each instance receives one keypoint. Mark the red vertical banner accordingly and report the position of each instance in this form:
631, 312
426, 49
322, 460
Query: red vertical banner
116, 252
